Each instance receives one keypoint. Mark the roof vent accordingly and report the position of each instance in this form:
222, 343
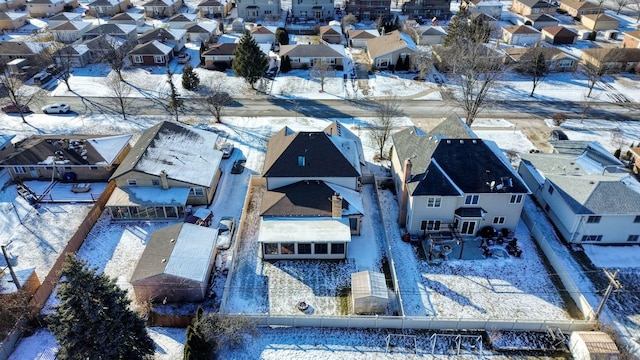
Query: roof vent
164, 261
172, 240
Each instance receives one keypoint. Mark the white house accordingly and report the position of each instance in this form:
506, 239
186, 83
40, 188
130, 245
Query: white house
488, 7
449, 180
587, 196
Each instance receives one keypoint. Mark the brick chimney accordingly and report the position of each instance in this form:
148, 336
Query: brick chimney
164, 182
404, 193
336, 206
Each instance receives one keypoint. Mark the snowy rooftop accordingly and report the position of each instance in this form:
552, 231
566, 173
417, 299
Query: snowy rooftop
275, 230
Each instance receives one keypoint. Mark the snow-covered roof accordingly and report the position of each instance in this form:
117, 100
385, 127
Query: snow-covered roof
109, 147
352, 197
148, 196
192, 253
324, 230
368, 283
5, 139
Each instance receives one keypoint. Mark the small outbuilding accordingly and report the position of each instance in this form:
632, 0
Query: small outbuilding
369, 293
593, 345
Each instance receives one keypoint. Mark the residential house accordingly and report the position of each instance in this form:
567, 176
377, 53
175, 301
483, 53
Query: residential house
8, 5
426, 10
597, 22
449, 180
430, 35
161, 8
122, 31
12, 20
390, 49
256, 10
587, 196
70, 31
6, 146
370, 10
539, 21
577, 8
45, 8
176, 264
492, 8
304, 56
531, 7
331, 34
11, 50
309, 210
520, 35
171, 166
616, 59
151, 53
63, 17
66, 157
559, 35
313, 10
102, 8
76, 55
182, 20
264, 34
98, 46
203, 31
212, 9
484, 19
126, 18
635, 159
631, 39
174, 38
219, 56
359, 38
555, 59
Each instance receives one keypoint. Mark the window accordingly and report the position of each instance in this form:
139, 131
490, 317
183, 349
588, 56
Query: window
132, 182
337, 248
550, 189
304, 248
93, 168
637, 219
137, 59
155, 182
471, 199
430, 225
633, 238
196, 191
515, 199
158, 59
301, 161
547, 208
592, 238
271, 249
593, 219
287, 248
566, 63
321, 249
498, 220
20, 170
434, 202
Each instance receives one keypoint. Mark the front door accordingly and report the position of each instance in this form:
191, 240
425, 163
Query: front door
468, 227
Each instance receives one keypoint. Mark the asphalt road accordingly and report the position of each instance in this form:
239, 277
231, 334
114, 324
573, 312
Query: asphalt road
261, 105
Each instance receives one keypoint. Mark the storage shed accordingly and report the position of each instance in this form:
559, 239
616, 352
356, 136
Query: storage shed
593, 345
369, 292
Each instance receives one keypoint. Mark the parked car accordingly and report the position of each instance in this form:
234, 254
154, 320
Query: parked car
227, 150
238, 166
558, 135
12, 108
183, 58
225, 232
56, 109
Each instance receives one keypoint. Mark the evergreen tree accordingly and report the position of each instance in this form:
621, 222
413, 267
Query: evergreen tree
93, 319
285, 64
196, 346
282, 36
458, 30
176, 103
190, 79
249, 63
203, 48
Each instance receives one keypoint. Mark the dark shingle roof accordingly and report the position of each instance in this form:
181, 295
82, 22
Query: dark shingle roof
303, 199
151, 48
159, 34
158, 247
221, 49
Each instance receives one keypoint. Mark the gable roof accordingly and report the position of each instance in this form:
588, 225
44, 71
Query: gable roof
559, 31
312, 50
393, 41
325, 155
10, 15
210, 3
541, 18
221, 49
338, 129
125, 16
111, 29
329, 30
159, 3
154, 47
67, 150
526, 54
431, 30
615, 55
453, 127
183, 17
5, 139
72, 25
65, 16
266, 30
536, 4
600, 17
105, 3
520, 29
363, 34
186, 154
579, 4
161, 34
104, 41
183, 250
208, 27
22, 47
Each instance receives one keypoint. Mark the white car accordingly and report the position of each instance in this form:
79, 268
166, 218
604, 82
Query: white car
56, 109
225, 232
227, 150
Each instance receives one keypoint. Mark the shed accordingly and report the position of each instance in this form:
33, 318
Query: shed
369, 293
593, 345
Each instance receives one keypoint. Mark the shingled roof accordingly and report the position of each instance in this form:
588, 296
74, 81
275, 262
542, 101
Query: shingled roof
390, 42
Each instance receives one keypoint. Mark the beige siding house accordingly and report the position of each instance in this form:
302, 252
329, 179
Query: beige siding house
596, 22
45, 8
108, 7
12, 20
306, 55
318, 9
387, 50
256, 10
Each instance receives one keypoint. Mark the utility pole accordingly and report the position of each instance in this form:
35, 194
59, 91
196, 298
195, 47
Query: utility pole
613, 283
13, 274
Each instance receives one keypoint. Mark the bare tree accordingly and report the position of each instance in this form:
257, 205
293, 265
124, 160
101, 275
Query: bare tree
175, 103
18, 93
620, 4
534, 64
599, 63
63, 58
321, 71
424, 63
476, 71
387, 112
114, 53
216, 97
226, 331
120, 90
13, 307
